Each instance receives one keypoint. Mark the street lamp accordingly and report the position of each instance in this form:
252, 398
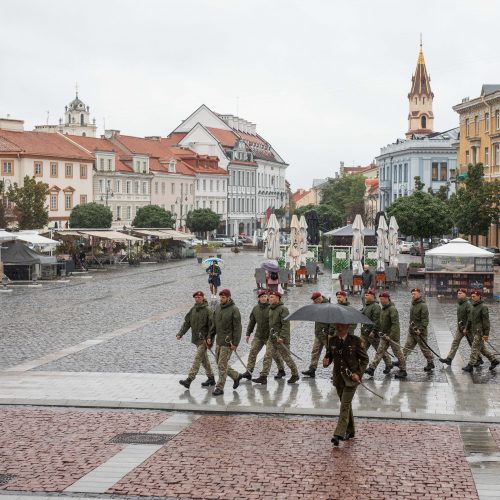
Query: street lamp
179, 201
107, 194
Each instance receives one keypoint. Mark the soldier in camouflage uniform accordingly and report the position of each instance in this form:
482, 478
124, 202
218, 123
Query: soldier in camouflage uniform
389, 336
479, 325
419, 320
370, 333
227, 321
200, 320
342, 300
279, 339
463, 312
260, 317
322, 333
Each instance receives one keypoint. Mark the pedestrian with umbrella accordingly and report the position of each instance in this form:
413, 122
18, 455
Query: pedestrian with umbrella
214, 272
272, 275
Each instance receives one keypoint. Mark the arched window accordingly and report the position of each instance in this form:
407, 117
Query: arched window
424, 122
81, 120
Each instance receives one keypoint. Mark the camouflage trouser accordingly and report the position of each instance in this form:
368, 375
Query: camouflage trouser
257, 345
318, 344
345, 422
382, 348
456, 342
374, 341
273, 346
223, 355
412, 340
479, 347
200, 358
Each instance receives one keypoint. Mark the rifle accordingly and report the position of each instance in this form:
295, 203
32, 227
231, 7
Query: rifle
415, 330
276, 336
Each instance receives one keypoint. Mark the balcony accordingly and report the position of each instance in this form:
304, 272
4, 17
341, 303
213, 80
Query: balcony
385, 185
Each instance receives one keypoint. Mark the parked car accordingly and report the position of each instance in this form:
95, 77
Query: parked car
496, 254
405, 247
223, 242
416, 249
195, 241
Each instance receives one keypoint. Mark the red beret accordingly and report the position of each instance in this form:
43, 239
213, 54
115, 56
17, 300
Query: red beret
261, 292
370, 292
198, 293
385, 294
476, 292
415, 290
341, 292
226, 292
315, 295
275, 292
462, 290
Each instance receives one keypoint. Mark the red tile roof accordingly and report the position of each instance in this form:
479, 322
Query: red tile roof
94, 143
225, 137
298, 195
173, 139
44, 144
7, 146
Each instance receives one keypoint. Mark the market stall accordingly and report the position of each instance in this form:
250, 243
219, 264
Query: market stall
24, 264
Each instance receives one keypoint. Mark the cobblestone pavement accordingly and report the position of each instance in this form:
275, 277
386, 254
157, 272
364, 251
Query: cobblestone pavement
37, 322
234, 457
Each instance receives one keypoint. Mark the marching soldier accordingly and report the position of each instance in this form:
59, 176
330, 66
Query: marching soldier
260, 317
463, 311
279, 339
349, 363
389, 336
322, 332
200, 320
227, 320
342, 300
417, 332
479, 325
370, 333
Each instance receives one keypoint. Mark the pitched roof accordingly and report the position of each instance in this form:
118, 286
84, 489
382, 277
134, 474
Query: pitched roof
227, 138
43, 144
421, 82
7, 146
490, 88
298, 195
94, 143
173, 139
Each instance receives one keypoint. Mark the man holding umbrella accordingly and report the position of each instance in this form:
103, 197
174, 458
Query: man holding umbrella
214, 273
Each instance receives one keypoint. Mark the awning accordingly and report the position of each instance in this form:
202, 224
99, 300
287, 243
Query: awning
67, 233
151, 232
36, 239
111, 235
6, 236
177, 235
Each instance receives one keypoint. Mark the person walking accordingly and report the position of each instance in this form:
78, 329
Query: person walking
214, 272
370, 333
349, 363
343, 301
463, 311
200, 320
227, 322
389, 336
417, 331
272, 280
322, 334
279, 340
367, 281
479, 325
260, 317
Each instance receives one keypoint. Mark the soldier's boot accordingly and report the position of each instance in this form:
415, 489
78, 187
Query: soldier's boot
186, 383
430, 366
310, 373
370, 371
387, 369
494, 364
446, 361
236, 383
395, 363
217, 391
280, 374
469, 368
260, 380
401, 374
210, 381
293, 379
349, 435
480, 360
336, 439
247, 375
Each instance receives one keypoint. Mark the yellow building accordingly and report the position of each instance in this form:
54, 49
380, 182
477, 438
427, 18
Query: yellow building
480, 142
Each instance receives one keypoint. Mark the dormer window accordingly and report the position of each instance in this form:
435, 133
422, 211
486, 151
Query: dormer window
171, 165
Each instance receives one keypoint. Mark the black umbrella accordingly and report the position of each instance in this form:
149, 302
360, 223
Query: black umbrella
270, 266
329, 313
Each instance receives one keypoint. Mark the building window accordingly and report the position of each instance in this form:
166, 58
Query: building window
137, 166
144, 188
171, 165
223, 185
109, 163
223, 206
435, 171
211, 185
101, 186
476, 126
424, 122
156, 187
68, 201
217, 185
38, 169
83, 171
136, 187
497, 155
83, 199
53, 201
467, 158
191, 188
204, 185
497, 119
101, 163
467, 127
394, 174
486, 122
128, 189
204, 204
217, 205
162, 188
68, 170
129, 212
211, 205
197, 204
172, 188
144, 169
443, 171
486, 157
118, 186
406, 173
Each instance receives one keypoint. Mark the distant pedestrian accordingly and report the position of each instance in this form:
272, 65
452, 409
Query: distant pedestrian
200, 320
343, 301
367, 281
227, 320
349, 363
322, 334
272, 281
479, 325
214, 272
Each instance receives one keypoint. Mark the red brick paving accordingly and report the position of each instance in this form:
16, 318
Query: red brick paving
238, 457
49, 449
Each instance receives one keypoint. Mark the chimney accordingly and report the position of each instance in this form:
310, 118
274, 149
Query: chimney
111, 133
9, 123
153, 137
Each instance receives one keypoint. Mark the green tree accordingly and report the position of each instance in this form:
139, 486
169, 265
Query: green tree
153, 216
345, 194
3, 220
202, 220
441, 193
91, 215
421, 214
30, 200
476, 203
328, 217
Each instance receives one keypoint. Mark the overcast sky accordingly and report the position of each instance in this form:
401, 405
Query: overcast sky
325, 81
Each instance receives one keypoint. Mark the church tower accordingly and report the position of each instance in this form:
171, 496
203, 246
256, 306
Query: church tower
77, 119
420, 116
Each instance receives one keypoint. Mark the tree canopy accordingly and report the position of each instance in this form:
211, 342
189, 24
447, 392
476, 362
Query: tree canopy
91, 215
328, 217
153, 216
476, 204
201, 220
30, 201
345, 194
